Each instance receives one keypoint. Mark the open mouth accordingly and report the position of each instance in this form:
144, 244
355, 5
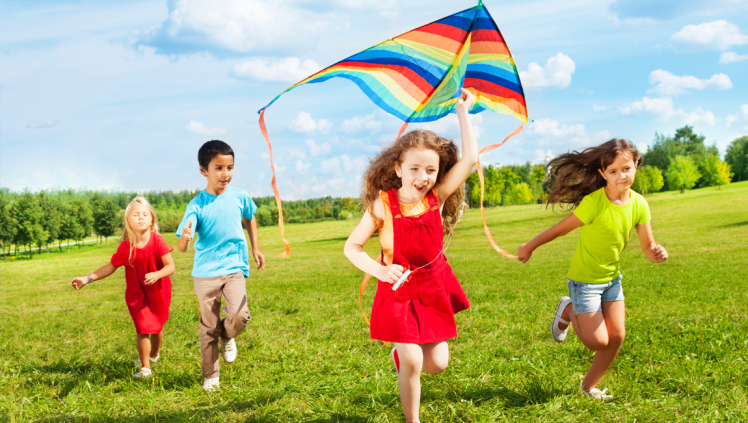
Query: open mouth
420, 188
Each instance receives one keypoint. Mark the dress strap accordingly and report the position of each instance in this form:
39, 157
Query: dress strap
394, 203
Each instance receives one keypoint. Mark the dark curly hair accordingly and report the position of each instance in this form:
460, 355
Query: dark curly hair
381, 176
572, 176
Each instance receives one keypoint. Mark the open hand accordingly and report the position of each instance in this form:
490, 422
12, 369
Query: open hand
465, 101
391, 273
659, 253
524, 253
151, 278
187, 230
259, 259
79, 282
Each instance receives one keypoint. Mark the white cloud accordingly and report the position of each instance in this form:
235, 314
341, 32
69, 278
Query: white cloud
660, 108
295, 153
556, 73
642, 147
319, 188
288, 69
543, 156
367, 123
717, 35
549, 129
732, 57
237, 25
344, 163
741, 115
200, 128
447, 127
669, 84
304, 123
315, 149
41, 124
597, 108
699, 116
302, 166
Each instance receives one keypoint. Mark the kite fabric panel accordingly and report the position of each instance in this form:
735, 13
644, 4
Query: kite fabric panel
417, 76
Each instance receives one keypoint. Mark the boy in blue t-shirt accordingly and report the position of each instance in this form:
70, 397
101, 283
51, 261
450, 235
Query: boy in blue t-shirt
221, 256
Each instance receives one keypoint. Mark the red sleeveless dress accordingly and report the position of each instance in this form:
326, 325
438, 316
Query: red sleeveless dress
422, 310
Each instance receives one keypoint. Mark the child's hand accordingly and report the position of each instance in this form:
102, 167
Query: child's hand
524, 253
659, 253
151, 278
259, 259
79, 283
391, 273
465, 101
187, 231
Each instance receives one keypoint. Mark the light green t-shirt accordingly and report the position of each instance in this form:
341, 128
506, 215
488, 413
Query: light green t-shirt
604, 235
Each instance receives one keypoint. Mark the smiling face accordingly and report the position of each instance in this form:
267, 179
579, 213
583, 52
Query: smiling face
219, 173
418, 172
139, 218
620, 174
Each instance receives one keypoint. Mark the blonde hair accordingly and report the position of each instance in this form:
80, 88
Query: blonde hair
128, 234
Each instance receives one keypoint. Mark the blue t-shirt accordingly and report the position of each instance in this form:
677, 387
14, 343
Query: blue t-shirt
221, 248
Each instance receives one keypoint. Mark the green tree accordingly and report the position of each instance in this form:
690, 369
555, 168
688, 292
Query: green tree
81, 211
682, 173
737, 158
654, 175
52, 210
684, 143
105, 219
520, 194
641, 183
507, 179
8, 224
263, 216
29, 214
715, 172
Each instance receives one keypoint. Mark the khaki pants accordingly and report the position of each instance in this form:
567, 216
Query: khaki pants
208, 291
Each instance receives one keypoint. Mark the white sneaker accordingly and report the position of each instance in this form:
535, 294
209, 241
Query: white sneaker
228, 350
596, 393
142, 373
210, 384
138, 363
558, 334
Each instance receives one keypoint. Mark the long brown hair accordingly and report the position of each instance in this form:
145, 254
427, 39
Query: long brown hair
572, 176
128, 234
381, 176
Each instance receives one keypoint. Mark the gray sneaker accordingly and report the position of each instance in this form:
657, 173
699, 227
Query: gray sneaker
558, 334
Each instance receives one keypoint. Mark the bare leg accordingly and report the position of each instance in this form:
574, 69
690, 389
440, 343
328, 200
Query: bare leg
409, 378
615, 323
435, 357
144, 350
156, 340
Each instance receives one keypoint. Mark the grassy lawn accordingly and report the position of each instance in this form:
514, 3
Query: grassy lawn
306, 354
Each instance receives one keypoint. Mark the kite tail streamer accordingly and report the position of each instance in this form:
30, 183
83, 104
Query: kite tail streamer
286, 245
361, 289
482, 185
402, 129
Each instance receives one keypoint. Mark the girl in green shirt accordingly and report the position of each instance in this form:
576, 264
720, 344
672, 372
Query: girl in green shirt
596, 185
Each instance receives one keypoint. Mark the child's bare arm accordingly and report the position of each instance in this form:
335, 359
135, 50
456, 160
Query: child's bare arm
655, 252
184, 241
354, 248
568, 224
461, 170
101, 273
251, 226
167, 270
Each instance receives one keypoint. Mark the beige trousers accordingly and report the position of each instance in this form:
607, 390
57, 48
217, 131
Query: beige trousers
208, 291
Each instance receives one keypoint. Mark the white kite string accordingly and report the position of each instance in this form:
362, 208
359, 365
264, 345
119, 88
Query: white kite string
407, 273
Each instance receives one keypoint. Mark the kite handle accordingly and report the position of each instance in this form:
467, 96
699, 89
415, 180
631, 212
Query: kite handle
482, 185
286, 245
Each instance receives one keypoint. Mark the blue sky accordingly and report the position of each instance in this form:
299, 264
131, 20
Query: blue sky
120, 95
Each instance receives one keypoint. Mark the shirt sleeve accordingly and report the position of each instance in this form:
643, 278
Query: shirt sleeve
189, 214
586, 210
249, 207
122, 255
162, 248
644, 215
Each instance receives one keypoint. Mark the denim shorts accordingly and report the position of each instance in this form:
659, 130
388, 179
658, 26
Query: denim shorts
588, 297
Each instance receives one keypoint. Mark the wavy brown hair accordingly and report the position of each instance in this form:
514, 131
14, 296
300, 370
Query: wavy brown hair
381, 176
571, 176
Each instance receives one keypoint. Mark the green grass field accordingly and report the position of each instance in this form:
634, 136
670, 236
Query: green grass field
306, 354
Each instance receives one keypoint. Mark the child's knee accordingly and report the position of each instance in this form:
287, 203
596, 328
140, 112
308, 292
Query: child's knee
598, 343
617, 338
436, 367
411, 364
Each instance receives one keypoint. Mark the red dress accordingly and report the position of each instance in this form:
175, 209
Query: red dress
422, 310
148, 304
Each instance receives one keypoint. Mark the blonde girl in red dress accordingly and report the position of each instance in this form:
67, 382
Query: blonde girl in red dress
148, 265
409, 190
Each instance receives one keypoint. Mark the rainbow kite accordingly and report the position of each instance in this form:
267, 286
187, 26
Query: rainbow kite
417, 77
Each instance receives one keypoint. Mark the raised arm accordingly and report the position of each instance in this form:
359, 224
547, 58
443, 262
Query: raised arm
461, 170
101, 273
655, 252
354, 248
251, 226
568, 224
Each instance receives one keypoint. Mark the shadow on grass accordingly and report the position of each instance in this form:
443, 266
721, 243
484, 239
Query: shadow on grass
732, 225
535, 391
340, 238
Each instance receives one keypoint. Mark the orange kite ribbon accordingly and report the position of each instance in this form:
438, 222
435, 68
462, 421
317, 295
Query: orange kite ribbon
286, 245
482, 187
